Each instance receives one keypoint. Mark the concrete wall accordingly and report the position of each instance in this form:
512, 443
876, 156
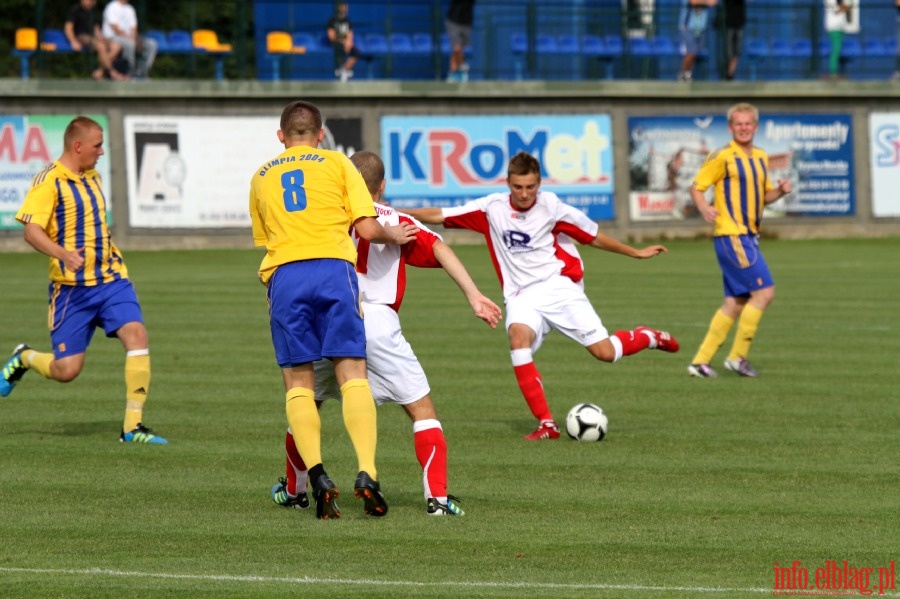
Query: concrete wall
370, 100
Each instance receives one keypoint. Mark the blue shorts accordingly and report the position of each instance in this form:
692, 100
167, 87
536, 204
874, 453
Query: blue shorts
744, 269
692, 43
76, 311
314, 312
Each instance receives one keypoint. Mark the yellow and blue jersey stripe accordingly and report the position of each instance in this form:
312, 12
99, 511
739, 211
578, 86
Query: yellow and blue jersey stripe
740, 183
72, 211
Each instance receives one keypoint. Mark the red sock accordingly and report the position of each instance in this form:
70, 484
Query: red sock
294, 468
431, 451
530, 383
632, 342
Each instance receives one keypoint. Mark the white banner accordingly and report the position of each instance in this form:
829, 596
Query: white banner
194, 172
884, 154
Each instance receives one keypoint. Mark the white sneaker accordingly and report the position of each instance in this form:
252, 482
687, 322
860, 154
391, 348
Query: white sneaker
741, 366
346, 74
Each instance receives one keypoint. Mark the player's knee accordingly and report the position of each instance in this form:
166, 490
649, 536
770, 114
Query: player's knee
603, 351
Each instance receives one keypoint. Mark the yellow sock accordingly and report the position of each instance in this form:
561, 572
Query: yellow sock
303, 417
747, 325
719, 327
38, 362
137, 385
360, 421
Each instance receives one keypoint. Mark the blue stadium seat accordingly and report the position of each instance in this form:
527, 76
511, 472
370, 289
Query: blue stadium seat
851, 48
802, 48
180, 41
614, 45
57, 38
162, 42
423, 43
311, 42
640, 47
663, 47
374, 43
781, 49
401, 43
568, 44
757, 51
890, 46
593, 45
874, 48
545, 44
518, 43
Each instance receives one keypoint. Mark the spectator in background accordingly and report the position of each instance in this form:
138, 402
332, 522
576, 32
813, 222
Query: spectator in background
120, 25
83, 30
692, 24
735, 18
837, 20
340, 34
460, 16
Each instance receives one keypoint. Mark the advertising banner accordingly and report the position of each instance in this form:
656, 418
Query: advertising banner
448, 160
28, 143
884, 150
813, 151
194, 172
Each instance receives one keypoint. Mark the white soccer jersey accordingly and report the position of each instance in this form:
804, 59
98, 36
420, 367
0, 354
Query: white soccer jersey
394, 371
382, 267
529, 246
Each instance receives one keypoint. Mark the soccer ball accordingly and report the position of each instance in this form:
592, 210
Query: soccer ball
587, 422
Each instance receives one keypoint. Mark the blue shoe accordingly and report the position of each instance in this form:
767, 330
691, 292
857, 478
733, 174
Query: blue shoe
369, 491
13, 370
451, 508
141, 434
280, 496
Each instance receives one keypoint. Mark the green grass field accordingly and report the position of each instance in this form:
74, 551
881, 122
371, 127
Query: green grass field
699, 489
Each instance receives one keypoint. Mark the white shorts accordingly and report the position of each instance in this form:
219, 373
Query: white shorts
558, 303
394, 372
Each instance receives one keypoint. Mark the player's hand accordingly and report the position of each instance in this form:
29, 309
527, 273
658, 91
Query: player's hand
652, 250
403, 233
708, 212
486, 310
74, 260
784, 186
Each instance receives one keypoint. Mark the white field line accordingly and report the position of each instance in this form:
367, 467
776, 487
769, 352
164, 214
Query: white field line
302, 580
312, 580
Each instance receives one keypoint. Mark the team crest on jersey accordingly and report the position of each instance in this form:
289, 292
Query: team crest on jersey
517, 241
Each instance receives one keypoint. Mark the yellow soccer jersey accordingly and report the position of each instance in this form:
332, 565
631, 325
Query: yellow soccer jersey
302, 205
72, 211
741, 182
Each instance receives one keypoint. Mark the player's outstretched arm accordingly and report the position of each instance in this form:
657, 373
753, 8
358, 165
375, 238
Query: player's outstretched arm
370, 229
483, 307
429, 216
605, 242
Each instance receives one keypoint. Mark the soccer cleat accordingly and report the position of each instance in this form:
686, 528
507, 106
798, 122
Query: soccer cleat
141, 434
664, 340
326, 495
547, 430
280, 496
702, 371
742, 367
369, 491
13, 370
451, 508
